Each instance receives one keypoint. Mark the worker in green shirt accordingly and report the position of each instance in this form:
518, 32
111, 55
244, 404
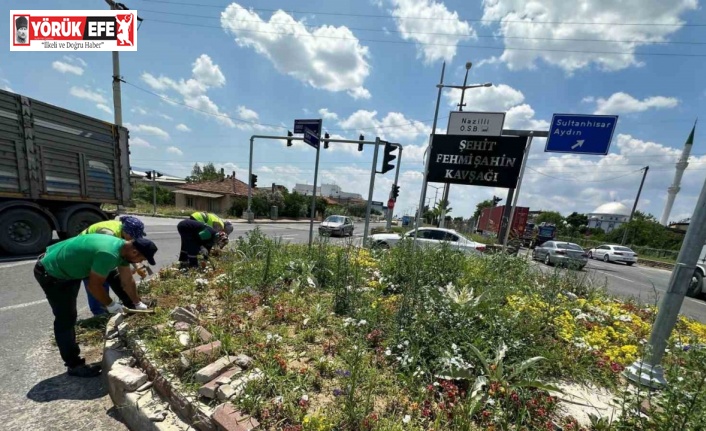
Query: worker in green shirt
213, 221
127, 228
59, 272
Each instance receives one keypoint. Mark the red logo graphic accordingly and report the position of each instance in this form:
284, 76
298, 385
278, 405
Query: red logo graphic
126, 30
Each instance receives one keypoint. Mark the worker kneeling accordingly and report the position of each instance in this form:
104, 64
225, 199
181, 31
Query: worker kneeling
59, 272
196, 235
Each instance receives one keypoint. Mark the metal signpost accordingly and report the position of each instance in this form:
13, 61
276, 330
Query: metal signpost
373, 171
581, 134
312, 136
471, 123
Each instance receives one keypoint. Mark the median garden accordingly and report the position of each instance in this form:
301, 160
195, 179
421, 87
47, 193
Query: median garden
350, 339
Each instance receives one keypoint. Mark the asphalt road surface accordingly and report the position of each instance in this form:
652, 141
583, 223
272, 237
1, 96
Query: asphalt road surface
643, 283
36, 394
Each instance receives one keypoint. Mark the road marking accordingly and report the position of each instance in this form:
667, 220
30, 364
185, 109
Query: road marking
24, 262
26, 304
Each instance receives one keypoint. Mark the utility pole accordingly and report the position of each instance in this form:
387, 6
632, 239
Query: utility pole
634, 206
649, 371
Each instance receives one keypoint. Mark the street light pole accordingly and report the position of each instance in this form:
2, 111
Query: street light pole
447, 186
634, 206
428, 156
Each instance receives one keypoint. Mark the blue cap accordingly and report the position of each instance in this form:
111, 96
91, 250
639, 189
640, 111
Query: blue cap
147, 248
133, 226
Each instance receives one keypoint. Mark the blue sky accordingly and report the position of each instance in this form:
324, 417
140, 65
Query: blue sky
371, 67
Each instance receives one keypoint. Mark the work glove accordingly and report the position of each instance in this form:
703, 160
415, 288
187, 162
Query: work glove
221, 239
204, 252
140, 306
115, 307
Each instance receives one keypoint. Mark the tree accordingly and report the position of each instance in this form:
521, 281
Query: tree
577, 220
488, 203
551, 217
142, 192
441, 208
206, 173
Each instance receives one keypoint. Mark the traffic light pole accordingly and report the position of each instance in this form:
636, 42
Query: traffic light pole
313, 196
517, 190
373, 171
388, 224
154, 193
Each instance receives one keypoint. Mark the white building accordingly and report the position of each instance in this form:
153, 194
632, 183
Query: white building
326, 190
608, 216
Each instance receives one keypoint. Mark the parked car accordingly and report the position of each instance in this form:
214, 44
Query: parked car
336, 225
613, 253
561, 253
430, 237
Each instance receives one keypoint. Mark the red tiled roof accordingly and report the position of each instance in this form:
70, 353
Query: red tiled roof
228, 186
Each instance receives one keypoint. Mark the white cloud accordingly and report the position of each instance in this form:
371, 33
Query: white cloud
327, 57
87, 94
139, 142
165, 116
623, 103
496, 98
175, 151
437, 34
7, 88
526, 26
183, 128
62, 67
327, 115
74, 59
206, 75
139, 110
148, 130
247, 114
104, 108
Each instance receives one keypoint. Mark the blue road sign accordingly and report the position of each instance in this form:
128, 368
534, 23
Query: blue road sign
311, 138
314, 125
581, 134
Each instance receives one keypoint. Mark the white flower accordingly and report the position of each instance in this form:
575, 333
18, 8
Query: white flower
624, 318
201, 282
388, 352
406, 419
278, 400
305, 397
362, 322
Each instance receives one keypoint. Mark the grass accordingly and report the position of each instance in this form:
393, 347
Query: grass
351, 339
164, 210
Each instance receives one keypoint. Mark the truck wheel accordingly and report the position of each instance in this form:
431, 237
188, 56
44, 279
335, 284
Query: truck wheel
23, 231
697, 281
80, 220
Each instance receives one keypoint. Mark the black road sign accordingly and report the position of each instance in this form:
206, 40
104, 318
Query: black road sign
476, 160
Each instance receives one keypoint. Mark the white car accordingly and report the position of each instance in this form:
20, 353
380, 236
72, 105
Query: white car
613, 253
429, 237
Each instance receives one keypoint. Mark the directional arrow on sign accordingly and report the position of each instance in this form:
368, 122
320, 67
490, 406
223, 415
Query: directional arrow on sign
578, 143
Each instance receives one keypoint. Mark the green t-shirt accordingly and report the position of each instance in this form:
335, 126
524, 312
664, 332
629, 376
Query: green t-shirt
75, 258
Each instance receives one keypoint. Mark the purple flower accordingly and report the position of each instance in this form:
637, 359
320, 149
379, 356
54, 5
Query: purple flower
343, 373
337, 392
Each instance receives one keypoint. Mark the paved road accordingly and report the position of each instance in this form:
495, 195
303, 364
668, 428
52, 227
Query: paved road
36, 394
644, 283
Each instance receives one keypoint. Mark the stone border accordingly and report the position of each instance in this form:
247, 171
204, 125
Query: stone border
147, 396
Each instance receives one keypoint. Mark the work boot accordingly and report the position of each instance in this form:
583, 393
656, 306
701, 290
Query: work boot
85, 370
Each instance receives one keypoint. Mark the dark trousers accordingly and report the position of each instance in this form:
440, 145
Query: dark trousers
190, 242
62, 295
112, 281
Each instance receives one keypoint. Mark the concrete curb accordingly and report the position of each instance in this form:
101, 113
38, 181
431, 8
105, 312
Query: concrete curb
656, 264
142, 409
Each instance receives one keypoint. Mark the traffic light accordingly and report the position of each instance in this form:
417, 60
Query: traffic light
496, 200
289, 141
152, 175
361, 138
253, 180
149, 175
326, 137
395, 191
388, 157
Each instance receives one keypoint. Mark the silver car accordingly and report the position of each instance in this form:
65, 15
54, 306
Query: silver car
336, 225
613, 253
430, 237
561, 253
